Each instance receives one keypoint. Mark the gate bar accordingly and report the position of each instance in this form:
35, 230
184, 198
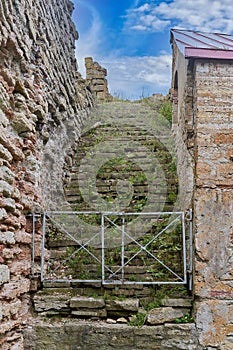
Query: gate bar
43, 246
190, 250
102, 239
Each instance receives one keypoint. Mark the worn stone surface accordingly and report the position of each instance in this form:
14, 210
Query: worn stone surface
214, 321
52, 299
125, 305
4, 274
88, 313
89, 336
165, 314
180, 337
7, 237
176, 302
214, 204
87, 303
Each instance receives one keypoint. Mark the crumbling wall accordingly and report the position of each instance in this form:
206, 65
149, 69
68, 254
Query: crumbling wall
43, 101
96, 79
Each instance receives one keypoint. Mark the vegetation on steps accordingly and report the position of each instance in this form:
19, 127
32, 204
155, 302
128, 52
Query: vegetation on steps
68, 258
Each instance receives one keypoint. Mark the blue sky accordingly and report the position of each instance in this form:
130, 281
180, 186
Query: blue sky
131, 38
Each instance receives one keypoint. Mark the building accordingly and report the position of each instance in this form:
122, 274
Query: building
202, 85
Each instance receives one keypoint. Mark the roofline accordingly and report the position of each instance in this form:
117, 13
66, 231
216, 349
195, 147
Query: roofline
198, 32
208, 53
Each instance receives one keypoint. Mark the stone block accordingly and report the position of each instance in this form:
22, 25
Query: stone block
21, 124
165, 314
4, 274
182, 337
7, 237
65, 284
149, 337
8, 326
16, 152
3, 214
44, 302
5, 154
214, 321
23, 237
130, 305
8, 204
6, 174
89, 313
87, 303
14, 289
6, 189
11, 309
3, 120
177, 302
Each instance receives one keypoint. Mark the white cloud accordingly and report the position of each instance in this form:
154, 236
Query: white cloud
128, 77
204, 15
134, 77
89, 42
145, 7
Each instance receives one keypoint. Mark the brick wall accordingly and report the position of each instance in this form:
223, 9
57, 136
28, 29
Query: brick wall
42, 98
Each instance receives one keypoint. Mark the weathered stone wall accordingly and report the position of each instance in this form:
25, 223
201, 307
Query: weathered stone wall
182, 127
213, 203
203, 127
96, 79
83, 335
42, 98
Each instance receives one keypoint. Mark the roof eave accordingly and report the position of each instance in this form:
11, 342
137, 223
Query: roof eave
193, 52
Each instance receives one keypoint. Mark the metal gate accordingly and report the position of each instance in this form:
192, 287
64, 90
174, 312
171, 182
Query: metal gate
116, 248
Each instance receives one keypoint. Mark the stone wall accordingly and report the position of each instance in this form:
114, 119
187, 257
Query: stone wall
96, 79
182, 127
203, 127
42, 99
83, 335
213, 203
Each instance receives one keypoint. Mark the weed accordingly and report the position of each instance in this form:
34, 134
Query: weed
166, 110
185, 319
138, 320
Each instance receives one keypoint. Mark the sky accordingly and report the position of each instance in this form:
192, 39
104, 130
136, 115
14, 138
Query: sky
131, 38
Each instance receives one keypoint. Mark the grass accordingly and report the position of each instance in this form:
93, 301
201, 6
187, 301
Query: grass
186, 319
138, 320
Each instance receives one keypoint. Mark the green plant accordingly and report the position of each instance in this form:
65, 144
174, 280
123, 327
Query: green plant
166, 110
185, 319
177, 291
156, 303
171, 196
138, 320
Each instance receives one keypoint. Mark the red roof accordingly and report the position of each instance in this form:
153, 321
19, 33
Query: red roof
203, 45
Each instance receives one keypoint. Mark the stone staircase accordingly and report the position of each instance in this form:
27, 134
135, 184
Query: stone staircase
136, 144
125, 151
135, 141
